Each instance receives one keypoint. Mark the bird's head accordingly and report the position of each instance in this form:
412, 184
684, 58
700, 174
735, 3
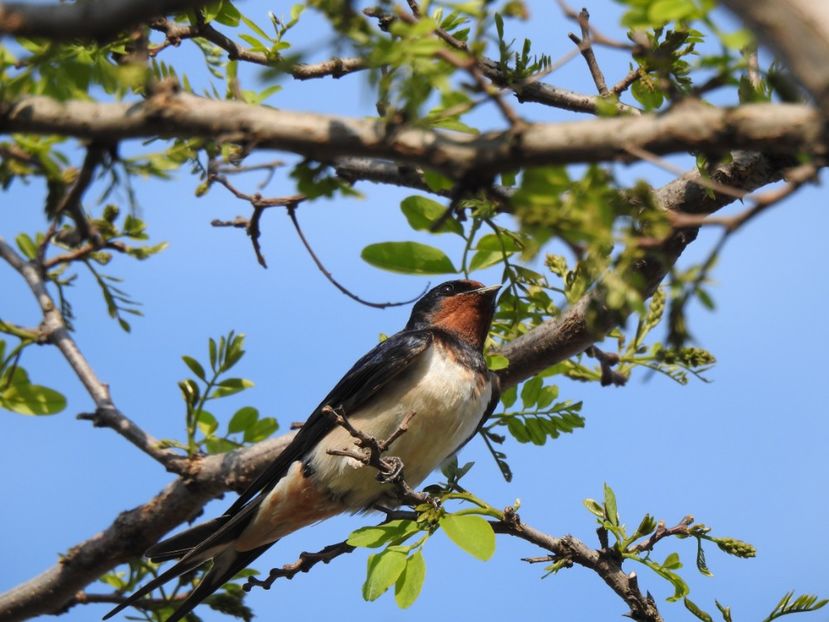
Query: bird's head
463, 308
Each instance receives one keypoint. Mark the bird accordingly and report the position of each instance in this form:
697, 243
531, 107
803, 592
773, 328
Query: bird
430, 377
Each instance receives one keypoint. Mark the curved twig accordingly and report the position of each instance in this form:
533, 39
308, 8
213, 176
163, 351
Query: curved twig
327, 274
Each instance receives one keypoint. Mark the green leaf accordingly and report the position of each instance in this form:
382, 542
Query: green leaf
228, 14
737, 40
547, 396
408, 258
423, 213
194, 366
207, 423
594, 507
31, 399
518, 430
672, 562
471, 533
496, 362
26, 246
242, 419
485, 259
647, 94
536, 430
230, 386
261, 430
408, 585
699, 613
216, 445
501, 243
701, 565
383, 570
612, 513
662, 11
530, 391
436, 181
509, 396
252, 25
392, 532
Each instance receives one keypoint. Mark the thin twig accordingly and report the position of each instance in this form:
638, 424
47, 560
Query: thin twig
259, 204
796, 178
106, 413
148, 604
71, 201
305, 562
586, 48
327, 274
595, 35
470, 65
680, 529
175, 33
82, 252
705, 182
622, 85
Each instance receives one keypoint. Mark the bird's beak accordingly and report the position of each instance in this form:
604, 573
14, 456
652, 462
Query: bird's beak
489, 289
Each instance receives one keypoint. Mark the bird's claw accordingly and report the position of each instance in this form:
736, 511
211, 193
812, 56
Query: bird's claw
392, 470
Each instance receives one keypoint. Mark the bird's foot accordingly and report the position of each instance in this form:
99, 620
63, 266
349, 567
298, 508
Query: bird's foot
392, 470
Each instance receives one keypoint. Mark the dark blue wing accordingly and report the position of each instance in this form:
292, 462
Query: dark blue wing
368, 375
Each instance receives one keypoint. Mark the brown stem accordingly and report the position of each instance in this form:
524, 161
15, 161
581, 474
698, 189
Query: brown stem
327, 274
106, 413
586, 49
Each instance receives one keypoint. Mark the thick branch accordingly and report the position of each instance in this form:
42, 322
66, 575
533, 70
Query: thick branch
587, 321
762, 127
799, 31
135, 530
101, 20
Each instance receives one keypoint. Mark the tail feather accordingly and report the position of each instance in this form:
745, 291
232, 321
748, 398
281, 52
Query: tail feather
182, 543
195, 546
225, 566
171, 573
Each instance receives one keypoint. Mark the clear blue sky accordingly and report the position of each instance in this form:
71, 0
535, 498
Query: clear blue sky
746, 454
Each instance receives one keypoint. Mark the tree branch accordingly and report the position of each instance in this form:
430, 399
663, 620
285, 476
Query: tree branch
133, 531
175, 33
589, 319
603, 562
100, 20
799, 31
762, 127
585, 46
55, 332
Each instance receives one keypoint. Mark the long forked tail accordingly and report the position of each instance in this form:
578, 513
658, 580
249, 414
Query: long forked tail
212, 540
225, 566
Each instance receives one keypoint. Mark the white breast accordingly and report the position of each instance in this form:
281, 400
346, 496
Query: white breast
448, 400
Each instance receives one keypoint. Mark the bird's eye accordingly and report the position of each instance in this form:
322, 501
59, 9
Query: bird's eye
447, 290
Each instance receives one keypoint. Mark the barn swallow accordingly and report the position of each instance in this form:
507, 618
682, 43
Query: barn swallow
434, 368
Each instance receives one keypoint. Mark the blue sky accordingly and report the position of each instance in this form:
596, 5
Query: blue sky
745, 454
